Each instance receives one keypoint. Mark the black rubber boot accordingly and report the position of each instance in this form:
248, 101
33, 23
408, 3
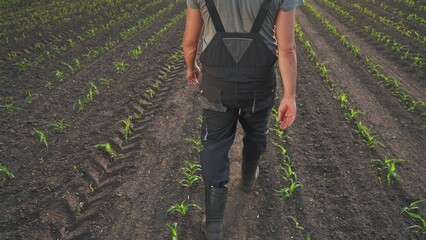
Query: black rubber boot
215, 209
249, 177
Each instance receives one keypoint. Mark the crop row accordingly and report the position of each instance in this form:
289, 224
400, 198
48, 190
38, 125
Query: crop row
392, 84
47, 51
399, 26
42, 19
402, 50
351, 114
401, 13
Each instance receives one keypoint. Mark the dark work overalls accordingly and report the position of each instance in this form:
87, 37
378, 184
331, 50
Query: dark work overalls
238, 83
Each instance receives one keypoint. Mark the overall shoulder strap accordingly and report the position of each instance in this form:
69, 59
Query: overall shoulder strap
214, 16
260, 18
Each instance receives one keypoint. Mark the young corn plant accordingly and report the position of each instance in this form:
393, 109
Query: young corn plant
412, 211
92, 91
296, 223
283, 151
368, 137
71, 68
144, 102
58, 125
10, 107
78, 105
389, 164
4, 170
135, 53
41, 136
79, 208
190, 172
196, 144
120, 67
107, 148
106, 81
127, 125
352, 113
60, 75
49, 85
182, 207
30, 96
287, 192
150, 92
173, 230
283, 136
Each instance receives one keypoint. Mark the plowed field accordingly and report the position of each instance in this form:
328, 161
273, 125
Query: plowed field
96, 65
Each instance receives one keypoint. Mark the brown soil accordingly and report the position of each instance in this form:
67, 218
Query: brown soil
127, 197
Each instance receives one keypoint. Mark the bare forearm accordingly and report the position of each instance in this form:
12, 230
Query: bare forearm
189, 54
287, 62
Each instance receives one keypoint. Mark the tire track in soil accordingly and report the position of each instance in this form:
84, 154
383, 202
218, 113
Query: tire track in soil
93, 128
399, 130
413, 86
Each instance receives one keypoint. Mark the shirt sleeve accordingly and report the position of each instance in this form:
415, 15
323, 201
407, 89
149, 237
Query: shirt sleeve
193, 4
289, 4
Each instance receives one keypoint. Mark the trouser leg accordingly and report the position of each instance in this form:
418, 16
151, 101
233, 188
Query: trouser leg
217, 135
256, 130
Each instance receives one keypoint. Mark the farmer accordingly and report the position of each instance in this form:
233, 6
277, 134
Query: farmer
241, 41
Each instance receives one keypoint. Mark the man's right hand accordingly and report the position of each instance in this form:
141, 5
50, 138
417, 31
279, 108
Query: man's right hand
287, 112
192, 75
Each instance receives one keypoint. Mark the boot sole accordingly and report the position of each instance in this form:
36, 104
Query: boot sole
208, 235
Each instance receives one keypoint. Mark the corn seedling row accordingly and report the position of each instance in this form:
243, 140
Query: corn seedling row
350, 113
71, 42
402, 50
399, 26
391, 84
388, 164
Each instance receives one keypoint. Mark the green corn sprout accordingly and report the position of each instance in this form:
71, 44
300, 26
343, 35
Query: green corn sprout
4, 170
287, 192
388, 164
127, 125
173, 230
289, 173
308, 237
156, 85
343, 98
418, 61
120, 67
135, 53
282, 149
77, 63
58, 125
107, 148
91, 188
71, 68
296, 223
78, 106
280, 133
10, 107
352, 113
200, 119
414, 105
79, 208
190, 173
365, 132
196, 144
24, 65
144, 102
60, 75
421, 228
182, 208
106, 81
30, 96
150, 92
49, 85
41, 136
